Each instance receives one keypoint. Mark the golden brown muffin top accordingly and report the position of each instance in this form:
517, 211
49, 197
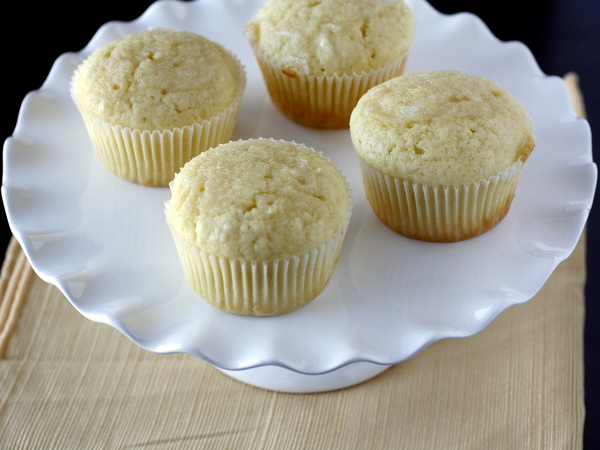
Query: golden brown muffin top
441, 128
327, 37
158, 79
259, 200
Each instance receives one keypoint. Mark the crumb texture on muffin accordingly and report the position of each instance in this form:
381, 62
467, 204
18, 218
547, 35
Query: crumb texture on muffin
157, 79
441, 128
332, 37
258, 200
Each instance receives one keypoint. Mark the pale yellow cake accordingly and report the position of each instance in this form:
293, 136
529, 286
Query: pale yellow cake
267, 207
330, 37
172, 82
453, 145
319, 56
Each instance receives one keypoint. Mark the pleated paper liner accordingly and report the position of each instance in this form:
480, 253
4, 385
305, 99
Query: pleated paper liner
440, 213
321, 101
259, 288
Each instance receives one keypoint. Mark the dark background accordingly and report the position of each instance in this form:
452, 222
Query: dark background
564, 36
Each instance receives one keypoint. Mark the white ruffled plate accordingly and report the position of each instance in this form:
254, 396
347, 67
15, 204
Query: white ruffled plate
105, 242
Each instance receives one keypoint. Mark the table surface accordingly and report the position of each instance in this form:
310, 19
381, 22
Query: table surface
562, 34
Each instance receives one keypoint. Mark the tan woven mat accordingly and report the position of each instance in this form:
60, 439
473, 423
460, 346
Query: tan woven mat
67, 382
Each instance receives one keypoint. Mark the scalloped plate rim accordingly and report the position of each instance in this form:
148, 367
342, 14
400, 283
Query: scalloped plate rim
584, 160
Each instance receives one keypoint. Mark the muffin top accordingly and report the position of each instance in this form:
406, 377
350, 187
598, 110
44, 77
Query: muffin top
258, 200
441, 128
327, 37
157, 79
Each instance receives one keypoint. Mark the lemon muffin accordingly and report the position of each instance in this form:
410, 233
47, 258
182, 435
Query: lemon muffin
152, 100
258, 224
441, 153
318, 57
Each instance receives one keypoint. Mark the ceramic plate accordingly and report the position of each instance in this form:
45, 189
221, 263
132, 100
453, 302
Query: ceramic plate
105, 243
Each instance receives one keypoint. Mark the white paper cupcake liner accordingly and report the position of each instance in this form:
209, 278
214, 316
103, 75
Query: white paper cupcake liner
261, 288
321, 101
152, 157
440, 213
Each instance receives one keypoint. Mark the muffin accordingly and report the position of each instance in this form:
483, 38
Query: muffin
258, 224
319, 57
440, 153
153, 100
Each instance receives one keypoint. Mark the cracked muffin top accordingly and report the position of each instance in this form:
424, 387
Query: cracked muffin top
258, 199
327, 37
441, 128
157, 79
